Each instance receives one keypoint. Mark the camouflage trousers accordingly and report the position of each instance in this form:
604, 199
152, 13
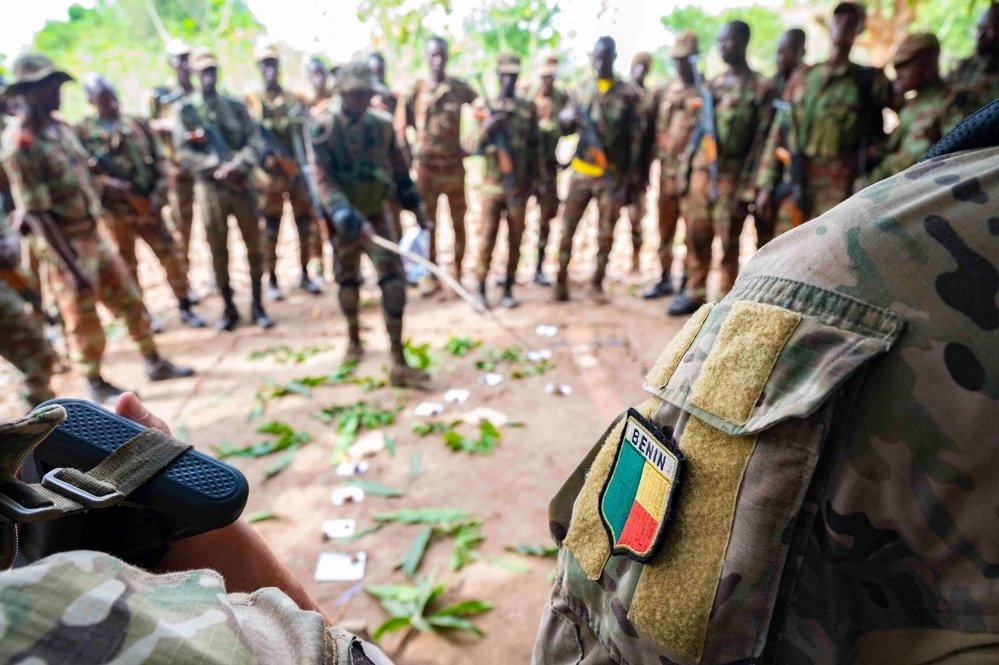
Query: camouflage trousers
705, 220
391, 279
546, 195
113, 287
436, 180
636, 215
494, 209
583, 189
24, 345
827, 184
125, 229
217, 203
272, 197
180, 196
668, 203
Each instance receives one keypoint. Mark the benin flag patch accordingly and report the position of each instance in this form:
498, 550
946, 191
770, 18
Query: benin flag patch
638, 497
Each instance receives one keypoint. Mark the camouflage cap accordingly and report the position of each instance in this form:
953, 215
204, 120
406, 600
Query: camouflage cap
913, 45
203, 58
265, 50
642, 57
355, 76
177, 47
686, 45
508, 63
32, 68
549, 65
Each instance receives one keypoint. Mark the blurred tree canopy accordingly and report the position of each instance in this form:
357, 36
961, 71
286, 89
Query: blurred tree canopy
766, 26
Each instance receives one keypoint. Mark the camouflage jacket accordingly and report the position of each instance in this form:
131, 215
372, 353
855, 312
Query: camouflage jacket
676, 119
836, 419
647, 109
922, 121
549, 106
130, 145
48, 172
522, 133
357, 159
741, 104
975, 82
163, 104
230, 118
276, 113
616, 117
831, 117
435, 112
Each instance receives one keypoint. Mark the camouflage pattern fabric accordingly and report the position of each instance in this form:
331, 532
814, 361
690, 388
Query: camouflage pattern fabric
180, 181
217, 202
91, 607
274, 110
126, 228
859, 531
233, 122
975, 82
922, 121
676, 119
583, 189
25, 346
830, 131
495, 209
741, 103
549, 133
449, 182
434, 110
647, 111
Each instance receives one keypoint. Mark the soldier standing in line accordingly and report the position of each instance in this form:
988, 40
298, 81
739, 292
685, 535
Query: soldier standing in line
387, 101
741, 98
180, 181
433, 108
318, 74
549, 101
512, 125
790, 56
975, 80
132, 174
215, 138
275, 110
605, 167
641, 64
925, 117
52, 187
836, 125
677, 117
359, 166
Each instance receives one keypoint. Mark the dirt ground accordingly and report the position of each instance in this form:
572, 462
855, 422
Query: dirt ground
602, 352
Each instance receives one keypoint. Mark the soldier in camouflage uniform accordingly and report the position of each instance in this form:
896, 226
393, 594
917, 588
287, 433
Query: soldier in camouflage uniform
125, 146
52, 186
275, 111
807, 480
517, 120
359, 166
216, 140
433, 107
641, 64
790, 56
975, 80
387, 101
741, 98
613, 106
836, 125
677, 117
549, 101
180, 181
924, 118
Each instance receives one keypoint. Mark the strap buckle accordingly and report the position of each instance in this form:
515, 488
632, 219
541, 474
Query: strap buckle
20, 513
52, 481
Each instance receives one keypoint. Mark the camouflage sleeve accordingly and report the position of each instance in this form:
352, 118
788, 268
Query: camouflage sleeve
195, 156
534, 149
478, 139
466, 93
635, 119
323, 143
768, 170
764, 102
25, 169
161, 165
247, 157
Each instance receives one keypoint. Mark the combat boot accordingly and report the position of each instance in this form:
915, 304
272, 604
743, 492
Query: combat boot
189, 316
683, 305
402, 375
597, 294
230, 315
161, 369
273, 290
561, 293
480, 295
661, 289
354, 352
102, 392
260, 316
508, 301
539, 276
309, 286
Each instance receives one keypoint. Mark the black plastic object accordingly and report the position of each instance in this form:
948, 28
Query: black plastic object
978, 130
193, 494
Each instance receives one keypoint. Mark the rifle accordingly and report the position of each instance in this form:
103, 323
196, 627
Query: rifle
792, 186
302, 147
590, 148
501, 141
199, 132
706, 135
138, 201
273, 148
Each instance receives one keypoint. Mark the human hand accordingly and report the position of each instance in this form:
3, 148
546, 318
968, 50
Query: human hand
129, 406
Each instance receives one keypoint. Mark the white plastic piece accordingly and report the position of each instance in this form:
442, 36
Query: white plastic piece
543, 330
426, 409
539, 355
333, 529
352, 468
341, 567
492, 379
563, 389
456, 396
344, 495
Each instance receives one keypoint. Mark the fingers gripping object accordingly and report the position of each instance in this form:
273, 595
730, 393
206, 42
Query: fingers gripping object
347, 220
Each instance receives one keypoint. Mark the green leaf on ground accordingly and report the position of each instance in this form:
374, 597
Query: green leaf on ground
465, 529
428, 427
418, 355
461, 346
261, 516
417, 549
489, 436
415, 606
285, 354
373, 488
286, 437
534, 550
415, 465
349, 420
